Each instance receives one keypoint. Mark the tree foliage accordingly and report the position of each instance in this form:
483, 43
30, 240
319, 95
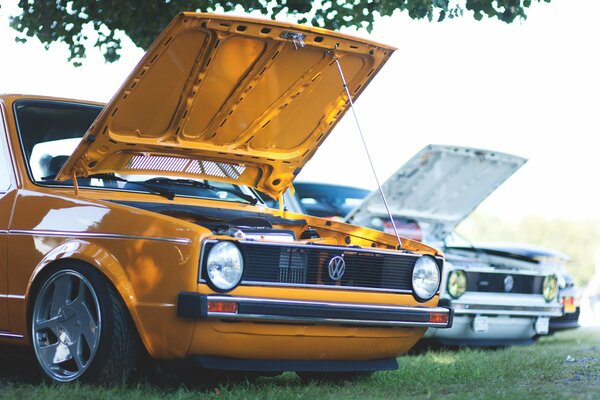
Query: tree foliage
68, 20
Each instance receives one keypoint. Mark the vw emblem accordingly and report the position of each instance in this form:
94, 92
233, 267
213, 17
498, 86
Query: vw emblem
336, 267
509, 283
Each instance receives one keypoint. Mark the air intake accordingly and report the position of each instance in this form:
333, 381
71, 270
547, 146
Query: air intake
185, 165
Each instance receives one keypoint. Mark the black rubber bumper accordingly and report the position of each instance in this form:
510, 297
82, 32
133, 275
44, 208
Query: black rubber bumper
197, 306
567, 321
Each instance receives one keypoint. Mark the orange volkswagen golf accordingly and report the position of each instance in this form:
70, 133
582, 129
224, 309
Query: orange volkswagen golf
136, 226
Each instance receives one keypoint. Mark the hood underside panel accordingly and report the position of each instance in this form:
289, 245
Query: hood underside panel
439, 187
247, 99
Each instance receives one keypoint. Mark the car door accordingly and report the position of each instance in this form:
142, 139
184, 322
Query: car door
6, 184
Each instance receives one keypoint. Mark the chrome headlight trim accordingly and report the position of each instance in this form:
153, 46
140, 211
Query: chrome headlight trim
425, 278
224, 266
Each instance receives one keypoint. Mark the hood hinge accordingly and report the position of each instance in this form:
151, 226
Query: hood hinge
296, 37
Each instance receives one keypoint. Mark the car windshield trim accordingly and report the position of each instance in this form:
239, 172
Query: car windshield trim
22, 144
169, 194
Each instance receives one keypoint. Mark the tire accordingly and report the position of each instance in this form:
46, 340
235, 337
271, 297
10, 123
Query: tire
80, 328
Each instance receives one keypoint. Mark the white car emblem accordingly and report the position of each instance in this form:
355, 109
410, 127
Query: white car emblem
336, 267
509, 283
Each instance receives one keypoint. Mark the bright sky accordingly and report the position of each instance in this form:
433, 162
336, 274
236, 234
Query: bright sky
531, 88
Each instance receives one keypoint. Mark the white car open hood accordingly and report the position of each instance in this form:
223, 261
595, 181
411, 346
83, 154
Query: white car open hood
439, 187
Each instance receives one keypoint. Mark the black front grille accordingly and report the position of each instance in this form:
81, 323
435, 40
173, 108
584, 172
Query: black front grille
495, 283
307, 265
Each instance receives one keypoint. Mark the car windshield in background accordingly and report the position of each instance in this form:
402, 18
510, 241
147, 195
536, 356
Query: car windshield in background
51, 130
325, 200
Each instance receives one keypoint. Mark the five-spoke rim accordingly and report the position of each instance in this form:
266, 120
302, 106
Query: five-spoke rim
66, 325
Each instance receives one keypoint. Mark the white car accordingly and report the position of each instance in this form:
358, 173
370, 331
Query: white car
554, 262
499, 297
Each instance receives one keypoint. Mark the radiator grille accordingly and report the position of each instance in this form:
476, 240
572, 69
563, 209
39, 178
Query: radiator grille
494, 283
308, 266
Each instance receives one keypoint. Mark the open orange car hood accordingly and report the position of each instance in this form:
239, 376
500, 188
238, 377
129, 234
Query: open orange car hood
228, 98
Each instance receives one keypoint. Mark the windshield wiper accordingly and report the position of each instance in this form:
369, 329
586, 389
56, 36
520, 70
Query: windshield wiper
168, 193
202, 185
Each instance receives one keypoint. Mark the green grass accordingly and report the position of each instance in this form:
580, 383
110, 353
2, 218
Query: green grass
566, 365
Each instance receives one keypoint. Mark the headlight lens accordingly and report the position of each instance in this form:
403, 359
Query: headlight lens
457, 283
225, 265
550, 287
425, 278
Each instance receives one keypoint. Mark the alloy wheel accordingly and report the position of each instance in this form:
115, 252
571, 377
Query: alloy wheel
66, 325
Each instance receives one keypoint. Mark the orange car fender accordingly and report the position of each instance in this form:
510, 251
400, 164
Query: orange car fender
100, 258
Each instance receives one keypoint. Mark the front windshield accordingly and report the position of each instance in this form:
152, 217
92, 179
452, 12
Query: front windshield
455, 239
51, 130
325, 200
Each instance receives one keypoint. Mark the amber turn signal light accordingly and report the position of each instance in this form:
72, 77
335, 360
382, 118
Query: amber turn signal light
223, 307
568, 301
438, 318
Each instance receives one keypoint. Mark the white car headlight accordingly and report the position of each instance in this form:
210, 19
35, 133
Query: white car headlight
550, 287
457, 283
425, 278
224, 266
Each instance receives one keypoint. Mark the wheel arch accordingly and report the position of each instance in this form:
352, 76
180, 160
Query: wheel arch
95, 256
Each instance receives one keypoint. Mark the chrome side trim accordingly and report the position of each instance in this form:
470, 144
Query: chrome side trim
275, 318
97, 235
330, 247
322, 320
12, 296
524, 311
309, 286
150, 304
3, 231
261, 300
11, 335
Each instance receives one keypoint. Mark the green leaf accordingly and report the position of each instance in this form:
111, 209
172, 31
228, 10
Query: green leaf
63, 21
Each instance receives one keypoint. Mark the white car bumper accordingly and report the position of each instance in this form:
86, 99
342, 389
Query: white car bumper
497, 319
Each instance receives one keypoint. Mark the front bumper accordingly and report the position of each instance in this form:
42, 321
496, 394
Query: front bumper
510, 319
502, 330
509, 310
229, 308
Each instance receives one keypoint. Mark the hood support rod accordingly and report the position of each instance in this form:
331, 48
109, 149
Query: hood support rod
362, 137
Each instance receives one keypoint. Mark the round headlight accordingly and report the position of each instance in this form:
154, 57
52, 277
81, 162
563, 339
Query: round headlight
425, 278
457, 283
225, 266
550, 288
